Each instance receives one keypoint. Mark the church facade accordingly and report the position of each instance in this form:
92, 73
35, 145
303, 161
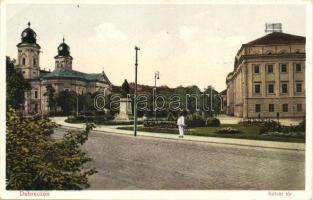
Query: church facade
63, 77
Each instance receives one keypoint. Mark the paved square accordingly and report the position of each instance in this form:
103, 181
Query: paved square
126, 162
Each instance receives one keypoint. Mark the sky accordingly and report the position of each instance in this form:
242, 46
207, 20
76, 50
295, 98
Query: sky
187, 44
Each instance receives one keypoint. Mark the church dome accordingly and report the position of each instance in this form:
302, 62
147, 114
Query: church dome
63, 49
29, 35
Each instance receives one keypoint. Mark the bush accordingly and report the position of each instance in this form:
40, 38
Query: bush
301, 126
212, 122
160, 124
195, 120
37, 161
227, 130
276, 129
269, 126
100, 120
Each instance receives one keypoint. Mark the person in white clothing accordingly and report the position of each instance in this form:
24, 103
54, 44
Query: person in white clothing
181, 125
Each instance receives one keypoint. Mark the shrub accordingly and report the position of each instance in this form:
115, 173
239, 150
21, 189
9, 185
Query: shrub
100, 120
269, 125
159, 124
37, 161
212, 122
301, 126
227, 130
195, 120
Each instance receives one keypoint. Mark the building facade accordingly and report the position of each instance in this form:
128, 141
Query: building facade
268, 80
63, 77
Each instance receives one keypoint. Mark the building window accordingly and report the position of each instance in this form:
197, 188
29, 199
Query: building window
257, 108
257, 89
270, 69
270, 107
284, 88
35, 63
299, 107
36, 94
283, 68
23, 61
23, 72
256, 69
298, 87
298, 67
285, 107
270, 88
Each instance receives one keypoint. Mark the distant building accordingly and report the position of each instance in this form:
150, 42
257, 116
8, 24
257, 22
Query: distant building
63, 77
268, 78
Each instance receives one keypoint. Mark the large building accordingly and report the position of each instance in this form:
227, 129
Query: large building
63, 77
268, 79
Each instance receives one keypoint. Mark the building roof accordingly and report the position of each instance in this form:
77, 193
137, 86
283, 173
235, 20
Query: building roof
277, 38
28, 37
63, 50
72, 74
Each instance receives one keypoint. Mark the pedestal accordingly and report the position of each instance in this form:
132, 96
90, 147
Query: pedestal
125, 109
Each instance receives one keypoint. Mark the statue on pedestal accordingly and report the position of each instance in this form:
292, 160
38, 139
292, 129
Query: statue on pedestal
125, 103
125, 88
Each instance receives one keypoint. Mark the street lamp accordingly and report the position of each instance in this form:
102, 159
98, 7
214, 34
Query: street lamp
156, 76
211, 101
135, 95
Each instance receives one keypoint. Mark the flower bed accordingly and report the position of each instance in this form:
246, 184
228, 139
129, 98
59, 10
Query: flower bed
227, 130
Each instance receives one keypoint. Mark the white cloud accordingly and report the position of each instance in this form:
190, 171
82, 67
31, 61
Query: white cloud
108, 32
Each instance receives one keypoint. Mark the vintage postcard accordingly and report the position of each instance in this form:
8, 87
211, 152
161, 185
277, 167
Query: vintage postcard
156, 99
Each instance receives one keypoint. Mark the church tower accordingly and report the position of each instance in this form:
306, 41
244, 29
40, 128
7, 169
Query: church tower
63, 60
28, 54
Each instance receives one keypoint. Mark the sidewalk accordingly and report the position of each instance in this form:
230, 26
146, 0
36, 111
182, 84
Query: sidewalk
225, 119
230, 141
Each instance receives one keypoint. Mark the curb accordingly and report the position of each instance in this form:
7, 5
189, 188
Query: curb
116, 131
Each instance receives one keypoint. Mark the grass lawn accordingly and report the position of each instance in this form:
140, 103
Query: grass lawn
247, 132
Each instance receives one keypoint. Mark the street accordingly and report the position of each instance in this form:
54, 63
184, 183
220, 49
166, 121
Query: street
127, 162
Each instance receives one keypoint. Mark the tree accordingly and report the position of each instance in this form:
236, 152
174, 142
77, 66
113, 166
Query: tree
16, 85
52, 103
216, 101
37, 161
67, 100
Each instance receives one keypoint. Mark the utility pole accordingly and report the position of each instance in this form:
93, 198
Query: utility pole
135, 95
156, 76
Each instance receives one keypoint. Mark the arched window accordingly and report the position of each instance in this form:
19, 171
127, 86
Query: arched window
23, 61
35, 62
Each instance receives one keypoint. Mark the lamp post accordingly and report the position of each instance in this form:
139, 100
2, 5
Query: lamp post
156, 76
135, 95
211, 101
76, 103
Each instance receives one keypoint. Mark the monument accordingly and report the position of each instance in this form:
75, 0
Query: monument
125, 104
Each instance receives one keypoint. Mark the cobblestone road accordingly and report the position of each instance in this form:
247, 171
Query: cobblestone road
126, 162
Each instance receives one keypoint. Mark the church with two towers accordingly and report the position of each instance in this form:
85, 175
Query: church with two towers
63, 77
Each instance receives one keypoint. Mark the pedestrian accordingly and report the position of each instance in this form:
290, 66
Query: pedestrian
181, 125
